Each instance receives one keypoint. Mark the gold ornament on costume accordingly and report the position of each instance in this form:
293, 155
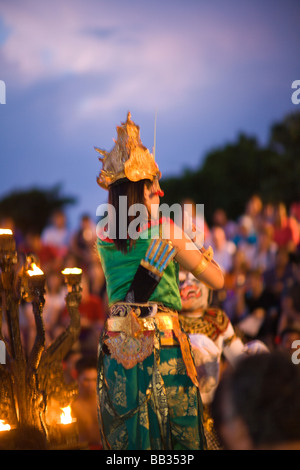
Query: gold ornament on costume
129, 158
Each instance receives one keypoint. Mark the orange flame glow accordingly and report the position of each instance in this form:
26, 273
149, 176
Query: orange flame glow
66, 417
67, 271
35, 271
4, 426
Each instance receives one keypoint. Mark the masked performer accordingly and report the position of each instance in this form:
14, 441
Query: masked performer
211, 335
147, 382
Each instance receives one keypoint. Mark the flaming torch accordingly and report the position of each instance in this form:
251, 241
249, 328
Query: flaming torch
73, 278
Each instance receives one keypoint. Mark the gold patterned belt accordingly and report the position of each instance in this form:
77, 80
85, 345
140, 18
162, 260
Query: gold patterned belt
133, 325
130, 339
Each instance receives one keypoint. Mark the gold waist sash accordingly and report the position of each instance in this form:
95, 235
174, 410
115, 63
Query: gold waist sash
133, 325
136, 339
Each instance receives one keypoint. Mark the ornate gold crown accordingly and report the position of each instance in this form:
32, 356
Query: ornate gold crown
128, 158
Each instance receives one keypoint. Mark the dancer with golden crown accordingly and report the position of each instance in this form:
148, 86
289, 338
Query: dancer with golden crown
148, 393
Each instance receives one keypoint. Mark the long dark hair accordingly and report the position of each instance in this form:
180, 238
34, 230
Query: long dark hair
134, 191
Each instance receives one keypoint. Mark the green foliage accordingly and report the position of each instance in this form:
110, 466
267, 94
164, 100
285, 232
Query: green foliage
31, 209
230, 175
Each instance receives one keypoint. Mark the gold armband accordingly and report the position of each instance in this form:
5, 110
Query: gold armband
207, 256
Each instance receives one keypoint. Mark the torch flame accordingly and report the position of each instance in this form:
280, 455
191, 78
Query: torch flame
67, 271
5, 231
66, 417
4, 426
35, 271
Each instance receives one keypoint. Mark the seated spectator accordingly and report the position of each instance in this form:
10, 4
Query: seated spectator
279, 277
83, 242
264, 254
246, 237
287, 337
234, 280
57, 234
256, 405
254, 209
84, 407
291, 301
223, 249
55, 302
268, 213
286, 229
220, 219
256, 309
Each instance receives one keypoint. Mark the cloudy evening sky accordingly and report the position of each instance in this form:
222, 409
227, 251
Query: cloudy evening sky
73, 68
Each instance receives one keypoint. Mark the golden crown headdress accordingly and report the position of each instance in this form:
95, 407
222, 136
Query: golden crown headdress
129, 158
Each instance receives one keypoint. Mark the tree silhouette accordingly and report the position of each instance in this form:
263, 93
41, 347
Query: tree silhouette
31, 209
230, 175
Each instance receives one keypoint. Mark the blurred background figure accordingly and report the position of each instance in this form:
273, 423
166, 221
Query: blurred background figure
264, 252
279, 277
223, 249
256, 405
254, 209
286, 229
84, 407
83, 242
191, 216
57, 234
256, 309
287, 337
220, 219
214, 342
291, 299
69, 364
55, 295
234, 280
246, 236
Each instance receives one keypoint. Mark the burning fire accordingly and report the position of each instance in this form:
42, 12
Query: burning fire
67, 271
66, 417
35, 271
4, 426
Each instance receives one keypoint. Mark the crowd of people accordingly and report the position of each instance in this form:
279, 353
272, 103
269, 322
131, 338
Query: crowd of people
259, 254
260, 257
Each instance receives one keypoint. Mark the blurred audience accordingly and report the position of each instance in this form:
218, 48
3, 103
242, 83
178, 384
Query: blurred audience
264, 252
246, 236
83, 242
286, 228
223, 249
84, 407
55, 295
57, 234
287, 337
259, 253
256, 309
256, 405
291, 300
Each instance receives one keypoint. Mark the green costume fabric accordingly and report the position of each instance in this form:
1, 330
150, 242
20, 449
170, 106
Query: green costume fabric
153, 405
120, 268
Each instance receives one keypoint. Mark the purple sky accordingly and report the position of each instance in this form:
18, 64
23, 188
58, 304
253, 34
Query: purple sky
73, 69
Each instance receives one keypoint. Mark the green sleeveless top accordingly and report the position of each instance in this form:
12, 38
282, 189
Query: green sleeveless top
120, 268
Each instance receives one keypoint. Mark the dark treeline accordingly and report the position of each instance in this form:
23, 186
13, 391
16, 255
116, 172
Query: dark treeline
230, 175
